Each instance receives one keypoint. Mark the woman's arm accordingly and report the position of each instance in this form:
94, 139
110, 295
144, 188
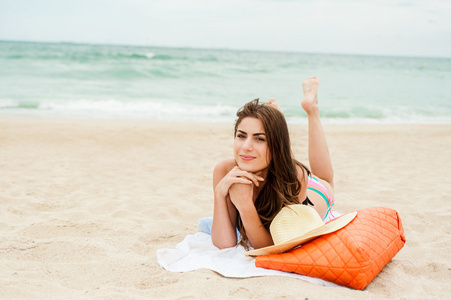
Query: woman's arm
303, 178
223, 230
241, 196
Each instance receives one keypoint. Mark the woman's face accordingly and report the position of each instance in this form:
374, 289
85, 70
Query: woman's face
250, 146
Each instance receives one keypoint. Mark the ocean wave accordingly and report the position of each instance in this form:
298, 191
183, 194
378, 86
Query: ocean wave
383, 115
133, 55
166, 110
97, 57
97, 53
162, 110
162, 57
8, 103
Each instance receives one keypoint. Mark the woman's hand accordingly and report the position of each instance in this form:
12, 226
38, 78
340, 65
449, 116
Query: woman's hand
236, 176
273, 102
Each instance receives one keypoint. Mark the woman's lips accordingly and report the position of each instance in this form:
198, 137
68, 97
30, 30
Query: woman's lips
247, 157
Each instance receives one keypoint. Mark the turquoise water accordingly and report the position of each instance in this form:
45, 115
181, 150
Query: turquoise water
176, 84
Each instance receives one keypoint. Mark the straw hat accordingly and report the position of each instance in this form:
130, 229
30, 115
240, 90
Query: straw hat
296, 224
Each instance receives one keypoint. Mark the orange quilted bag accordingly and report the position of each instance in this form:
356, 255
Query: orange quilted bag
351, 256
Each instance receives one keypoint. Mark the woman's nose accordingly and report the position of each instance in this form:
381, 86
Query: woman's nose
248, 145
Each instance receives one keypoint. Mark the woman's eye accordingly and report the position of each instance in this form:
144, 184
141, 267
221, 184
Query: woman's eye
260, 139
241, 136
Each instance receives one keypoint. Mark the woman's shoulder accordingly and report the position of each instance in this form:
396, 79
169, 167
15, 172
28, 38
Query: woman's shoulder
302, 174
221, 170
225, 165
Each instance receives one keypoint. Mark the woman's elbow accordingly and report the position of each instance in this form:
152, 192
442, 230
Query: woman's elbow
223, 244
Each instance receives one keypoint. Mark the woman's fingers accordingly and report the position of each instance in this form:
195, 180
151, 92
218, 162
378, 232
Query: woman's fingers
254, 178
273, 102
246, 175
236, 175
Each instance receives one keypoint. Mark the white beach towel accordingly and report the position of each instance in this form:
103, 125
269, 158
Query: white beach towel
198, 252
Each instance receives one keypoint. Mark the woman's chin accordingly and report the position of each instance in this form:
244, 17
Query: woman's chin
248, 168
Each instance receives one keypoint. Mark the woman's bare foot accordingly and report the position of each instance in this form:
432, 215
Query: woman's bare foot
310, 89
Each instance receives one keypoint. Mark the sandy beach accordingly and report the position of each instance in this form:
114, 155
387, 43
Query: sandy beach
84, 205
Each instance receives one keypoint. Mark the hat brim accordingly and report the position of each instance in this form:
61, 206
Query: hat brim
330, 227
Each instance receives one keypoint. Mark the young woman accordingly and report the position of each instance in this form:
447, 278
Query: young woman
251, 188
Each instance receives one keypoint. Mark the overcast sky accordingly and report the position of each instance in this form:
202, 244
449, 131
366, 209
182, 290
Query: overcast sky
385, 27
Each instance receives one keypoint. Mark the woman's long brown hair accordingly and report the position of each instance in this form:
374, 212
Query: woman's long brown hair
282, 186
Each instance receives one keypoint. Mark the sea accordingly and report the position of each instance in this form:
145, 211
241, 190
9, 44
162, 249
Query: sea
117, 82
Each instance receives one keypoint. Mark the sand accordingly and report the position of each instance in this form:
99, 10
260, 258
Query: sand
84, 205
